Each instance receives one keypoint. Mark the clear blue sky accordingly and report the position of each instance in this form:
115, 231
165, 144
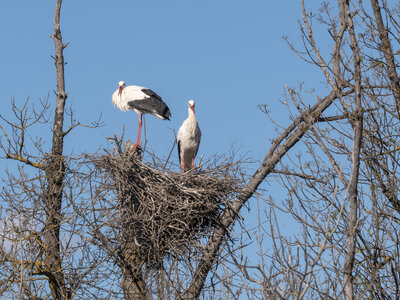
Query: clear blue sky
227, 55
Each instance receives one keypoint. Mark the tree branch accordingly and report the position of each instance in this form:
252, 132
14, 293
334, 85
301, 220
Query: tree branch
388, 53
278, 149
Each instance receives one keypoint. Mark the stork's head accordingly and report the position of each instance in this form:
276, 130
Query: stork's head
191, 105
121, 87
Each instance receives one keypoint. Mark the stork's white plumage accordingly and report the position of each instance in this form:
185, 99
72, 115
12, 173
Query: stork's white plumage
143, 101
189, 136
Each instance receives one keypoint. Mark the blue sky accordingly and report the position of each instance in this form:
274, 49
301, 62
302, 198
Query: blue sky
227, 55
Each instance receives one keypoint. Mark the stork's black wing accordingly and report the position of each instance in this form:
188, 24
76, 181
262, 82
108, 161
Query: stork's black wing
152, 94
152, 105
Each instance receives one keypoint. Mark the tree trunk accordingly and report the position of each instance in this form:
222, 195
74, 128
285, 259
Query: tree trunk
55, 169
357, 125
132, 283
131, 262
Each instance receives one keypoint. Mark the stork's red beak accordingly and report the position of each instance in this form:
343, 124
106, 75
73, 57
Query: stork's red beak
192, 107
120, 90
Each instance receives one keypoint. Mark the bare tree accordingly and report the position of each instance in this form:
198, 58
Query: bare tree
43, 251
48, 191
342, 183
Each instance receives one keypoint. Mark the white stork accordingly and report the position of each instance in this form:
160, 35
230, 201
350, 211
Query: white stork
189, 136
143, 101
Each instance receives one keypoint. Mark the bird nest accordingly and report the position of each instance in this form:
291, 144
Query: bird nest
163, 213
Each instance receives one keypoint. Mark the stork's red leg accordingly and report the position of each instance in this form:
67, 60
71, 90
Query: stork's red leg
192, 162
183, 165
138, 139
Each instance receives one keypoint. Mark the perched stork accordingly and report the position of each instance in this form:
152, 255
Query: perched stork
143, 101
189, 136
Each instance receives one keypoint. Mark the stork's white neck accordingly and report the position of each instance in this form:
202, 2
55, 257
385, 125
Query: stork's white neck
191, 114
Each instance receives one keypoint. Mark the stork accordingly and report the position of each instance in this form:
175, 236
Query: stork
189, 136
143, 101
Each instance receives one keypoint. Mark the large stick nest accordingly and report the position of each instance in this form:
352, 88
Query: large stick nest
164, 213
